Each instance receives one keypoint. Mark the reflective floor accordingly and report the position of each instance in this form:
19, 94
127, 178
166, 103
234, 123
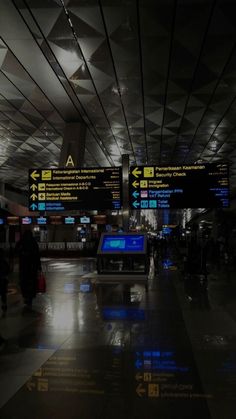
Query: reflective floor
91, 350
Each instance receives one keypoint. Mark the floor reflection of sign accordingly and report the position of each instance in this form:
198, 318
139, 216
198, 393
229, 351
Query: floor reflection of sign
38, 373
162, 374
169, 265
42, 385
30, 385
123, 313
140, 390
153, 390
147, 376
80, 372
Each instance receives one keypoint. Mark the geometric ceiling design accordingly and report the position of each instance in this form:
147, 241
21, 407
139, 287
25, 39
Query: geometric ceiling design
155, 79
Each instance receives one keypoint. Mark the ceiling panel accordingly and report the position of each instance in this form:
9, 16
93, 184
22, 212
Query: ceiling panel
155, 79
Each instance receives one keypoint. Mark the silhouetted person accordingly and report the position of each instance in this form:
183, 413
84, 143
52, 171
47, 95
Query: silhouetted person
4, 271
29, 265
11, 257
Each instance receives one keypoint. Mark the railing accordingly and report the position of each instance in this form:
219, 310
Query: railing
55, 246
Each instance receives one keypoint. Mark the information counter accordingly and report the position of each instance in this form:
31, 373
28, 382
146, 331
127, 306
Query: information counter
122, 253
122, 258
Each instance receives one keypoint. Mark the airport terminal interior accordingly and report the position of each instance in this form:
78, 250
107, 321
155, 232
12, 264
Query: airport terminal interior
118, 166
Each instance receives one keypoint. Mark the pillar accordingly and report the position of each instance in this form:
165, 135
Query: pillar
2, 189
73, 146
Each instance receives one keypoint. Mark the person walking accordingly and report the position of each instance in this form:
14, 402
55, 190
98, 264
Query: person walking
29, 266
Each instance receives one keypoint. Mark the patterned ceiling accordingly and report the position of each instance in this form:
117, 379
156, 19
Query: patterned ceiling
152, 78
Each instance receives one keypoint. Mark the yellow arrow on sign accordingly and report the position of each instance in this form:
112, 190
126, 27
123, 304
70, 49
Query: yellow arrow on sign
136, 172
30, 385
33, 187
138, 376
33, 197
140, 390
34, 175
135, 184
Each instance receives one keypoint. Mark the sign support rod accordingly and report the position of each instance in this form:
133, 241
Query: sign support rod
125, 190
73, 146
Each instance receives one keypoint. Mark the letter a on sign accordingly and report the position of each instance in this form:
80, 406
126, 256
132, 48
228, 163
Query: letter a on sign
70, 162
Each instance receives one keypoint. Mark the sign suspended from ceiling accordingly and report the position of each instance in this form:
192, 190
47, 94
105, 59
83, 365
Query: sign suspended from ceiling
182, 186
75, 188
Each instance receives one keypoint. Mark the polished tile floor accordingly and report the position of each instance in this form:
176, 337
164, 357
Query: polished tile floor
92, 351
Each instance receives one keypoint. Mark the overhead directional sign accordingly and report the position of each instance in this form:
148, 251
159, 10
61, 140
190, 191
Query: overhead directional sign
183, 186
75, 188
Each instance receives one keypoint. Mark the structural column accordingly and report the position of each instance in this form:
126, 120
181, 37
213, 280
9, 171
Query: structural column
2, 189
73, 146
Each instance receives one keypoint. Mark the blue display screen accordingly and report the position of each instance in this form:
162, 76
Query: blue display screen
2, 221
69, 220
41, 220
85, 220
123, 314
26, 220
123, 243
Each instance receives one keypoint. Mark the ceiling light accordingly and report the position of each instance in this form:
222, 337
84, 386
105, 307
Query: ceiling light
213, 145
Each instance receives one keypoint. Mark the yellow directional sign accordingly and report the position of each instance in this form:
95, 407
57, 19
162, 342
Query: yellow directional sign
34, 175
163, 187
143, 183
136, 172
140, 390
46, 174
148, 172
41, 186
33, 187
135, 183
33, 197
75, 188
